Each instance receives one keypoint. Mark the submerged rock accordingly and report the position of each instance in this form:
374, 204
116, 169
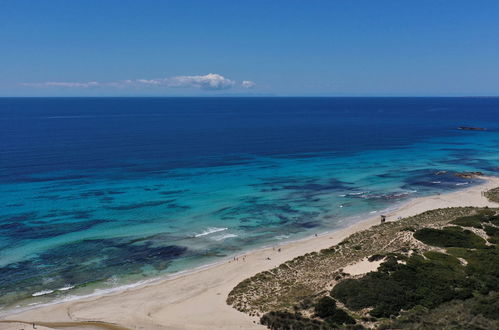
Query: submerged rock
468, 175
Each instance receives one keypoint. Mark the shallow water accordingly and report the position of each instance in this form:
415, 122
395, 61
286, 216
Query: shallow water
99, 193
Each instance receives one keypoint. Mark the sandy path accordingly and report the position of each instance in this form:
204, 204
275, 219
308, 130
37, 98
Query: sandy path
197, 300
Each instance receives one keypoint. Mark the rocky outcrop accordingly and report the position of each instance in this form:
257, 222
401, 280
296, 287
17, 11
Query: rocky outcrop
468, 128
468, 175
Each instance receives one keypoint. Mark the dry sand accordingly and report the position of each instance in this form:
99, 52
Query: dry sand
362, 267
196, 300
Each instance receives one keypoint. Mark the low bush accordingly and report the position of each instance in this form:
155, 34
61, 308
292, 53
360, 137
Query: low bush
470, 221
481, 312
289, 321
493, 233
327, 310
325, 307
449, 237
443, 259
402, 286
340, 317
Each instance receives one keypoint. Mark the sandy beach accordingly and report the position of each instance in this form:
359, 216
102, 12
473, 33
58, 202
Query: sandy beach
197, 300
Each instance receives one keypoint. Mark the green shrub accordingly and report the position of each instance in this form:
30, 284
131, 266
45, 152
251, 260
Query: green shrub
327, 310
493, 233
340, 317
481, 312
325, 307
482, 267
402, 286
476, 220
488, 306
470, 221
449, 237
289, 321
376, 257
443, 259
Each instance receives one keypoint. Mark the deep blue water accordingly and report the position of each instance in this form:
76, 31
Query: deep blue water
101, 192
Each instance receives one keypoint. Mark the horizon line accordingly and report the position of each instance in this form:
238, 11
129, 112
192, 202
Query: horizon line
255, 96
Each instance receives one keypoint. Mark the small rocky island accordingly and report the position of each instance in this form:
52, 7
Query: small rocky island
468, 128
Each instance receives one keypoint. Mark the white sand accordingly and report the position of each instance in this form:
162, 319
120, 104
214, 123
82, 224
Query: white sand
197, 300
362, 267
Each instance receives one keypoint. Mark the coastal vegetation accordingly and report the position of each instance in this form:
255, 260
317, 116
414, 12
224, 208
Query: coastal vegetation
493, 195
439, 269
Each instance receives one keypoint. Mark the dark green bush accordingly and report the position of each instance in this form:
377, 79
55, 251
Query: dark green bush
488, 306
325, 307
470, 221
481, 312
443, 259
476, 220
376, 257
340, 317
397, 286
289, 321
482, 267
327, 310
449, 237
493, 233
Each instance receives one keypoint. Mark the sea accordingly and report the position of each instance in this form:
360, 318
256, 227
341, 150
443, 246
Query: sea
99, 194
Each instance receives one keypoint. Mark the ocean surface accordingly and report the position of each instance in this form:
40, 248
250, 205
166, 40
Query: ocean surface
100, 193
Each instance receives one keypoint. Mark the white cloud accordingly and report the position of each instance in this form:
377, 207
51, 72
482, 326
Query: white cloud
248, 84
211, 81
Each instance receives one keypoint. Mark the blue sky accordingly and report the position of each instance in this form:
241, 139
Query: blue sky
311, 48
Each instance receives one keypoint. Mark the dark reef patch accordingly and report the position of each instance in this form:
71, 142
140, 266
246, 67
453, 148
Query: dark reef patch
307, 189
27, 179
173, 192
427, 179
139, 205
20, 230
100, 193
81, 263
20, 217
76, 214
14, 205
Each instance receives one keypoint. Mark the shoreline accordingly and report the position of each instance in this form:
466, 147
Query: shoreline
199, 294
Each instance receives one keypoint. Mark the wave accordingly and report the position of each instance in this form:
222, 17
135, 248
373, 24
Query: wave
210, 230
222, 237
66, 288
41, 293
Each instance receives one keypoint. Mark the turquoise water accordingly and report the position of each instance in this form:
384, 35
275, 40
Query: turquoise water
91, 205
